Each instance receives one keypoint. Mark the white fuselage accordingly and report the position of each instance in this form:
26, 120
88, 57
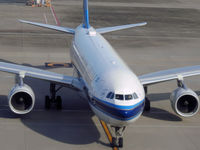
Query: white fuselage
115, 93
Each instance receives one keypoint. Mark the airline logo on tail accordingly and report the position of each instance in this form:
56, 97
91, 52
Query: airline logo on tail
85, 14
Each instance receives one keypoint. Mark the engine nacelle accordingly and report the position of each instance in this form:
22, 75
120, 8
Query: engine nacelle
185, 102
21, 99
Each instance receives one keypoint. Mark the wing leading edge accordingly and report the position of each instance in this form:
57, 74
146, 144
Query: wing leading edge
68, 81
171, 74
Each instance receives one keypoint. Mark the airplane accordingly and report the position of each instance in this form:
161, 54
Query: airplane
115, 94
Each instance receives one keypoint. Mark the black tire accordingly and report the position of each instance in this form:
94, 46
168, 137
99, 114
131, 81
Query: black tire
47, 102
120, 142
114, 142
59, 102
147, 106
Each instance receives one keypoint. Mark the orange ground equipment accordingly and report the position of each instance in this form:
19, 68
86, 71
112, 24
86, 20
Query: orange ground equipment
38, 3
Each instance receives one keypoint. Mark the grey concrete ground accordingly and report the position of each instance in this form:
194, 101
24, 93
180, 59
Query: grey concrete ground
171, 39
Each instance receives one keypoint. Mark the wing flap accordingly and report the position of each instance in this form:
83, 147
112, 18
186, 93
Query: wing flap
58, 28
40, 74
116, 28
171, 74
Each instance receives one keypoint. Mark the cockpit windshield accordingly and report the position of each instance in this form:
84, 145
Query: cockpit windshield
119, 96
111, 95
128, 97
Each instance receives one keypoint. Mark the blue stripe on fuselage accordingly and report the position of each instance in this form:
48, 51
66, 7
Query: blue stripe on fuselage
119, 114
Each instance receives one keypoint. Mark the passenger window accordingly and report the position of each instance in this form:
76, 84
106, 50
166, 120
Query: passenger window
135, 96
119, 97
128, 97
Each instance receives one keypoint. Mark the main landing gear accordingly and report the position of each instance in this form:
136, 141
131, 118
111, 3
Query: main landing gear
117, 140
53, 99
147, 105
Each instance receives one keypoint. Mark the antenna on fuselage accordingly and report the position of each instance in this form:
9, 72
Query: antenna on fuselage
85, 14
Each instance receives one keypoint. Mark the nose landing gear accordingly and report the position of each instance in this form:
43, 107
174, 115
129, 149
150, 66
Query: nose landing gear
53, 98
117, 140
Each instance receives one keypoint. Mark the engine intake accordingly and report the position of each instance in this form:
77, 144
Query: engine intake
21, 99
185, 102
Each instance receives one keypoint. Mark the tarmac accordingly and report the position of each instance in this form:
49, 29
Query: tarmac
170, 39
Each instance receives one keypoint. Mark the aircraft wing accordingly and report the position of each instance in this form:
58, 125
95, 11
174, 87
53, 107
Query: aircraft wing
116, 28
68, 81
58, 28
171, 74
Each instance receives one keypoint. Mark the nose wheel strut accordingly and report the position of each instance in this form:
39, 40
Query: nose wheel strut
53, 99
117, 140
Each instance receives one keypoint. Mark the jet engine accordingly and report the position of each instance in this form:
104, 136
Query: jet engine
185, 102
21, 99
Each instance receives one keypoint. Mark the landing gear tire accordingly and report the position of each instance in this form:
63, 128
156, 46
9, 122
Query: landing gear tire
47, 102
117, 140
59, 102
114, 142
147, 106
120, 142
53, 99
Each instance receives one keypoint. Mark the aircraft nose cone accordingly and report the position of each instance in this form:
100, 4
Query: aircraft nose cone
126, 114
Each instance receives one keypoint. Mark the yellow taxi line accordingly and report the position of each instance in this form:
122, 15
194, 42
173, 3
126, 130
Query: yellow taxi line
108, 134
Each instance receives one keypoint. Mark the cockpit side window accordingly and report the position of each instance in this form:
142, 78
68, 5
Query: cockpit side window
135, 96
119, 96
112, 96
109, 94
128, 97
